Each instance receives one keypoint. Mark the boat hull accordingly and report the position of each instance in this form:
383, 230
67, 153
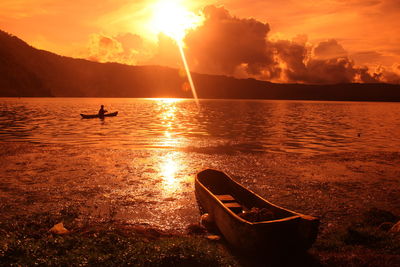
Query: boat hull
84, 116
291, 231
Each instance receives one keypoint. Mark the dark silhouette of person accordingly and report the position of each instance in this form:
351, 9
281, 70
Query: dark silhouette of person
102, 111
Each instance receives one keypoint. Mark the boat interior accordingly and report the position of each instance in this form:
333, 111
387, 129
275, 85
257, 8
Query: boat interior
235, 197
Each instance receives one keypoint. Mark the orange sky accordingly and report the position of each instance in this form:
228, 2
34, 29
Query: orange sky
367, 30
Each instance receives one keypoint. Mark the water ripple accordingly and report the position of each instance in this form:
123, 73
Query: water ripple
228, 125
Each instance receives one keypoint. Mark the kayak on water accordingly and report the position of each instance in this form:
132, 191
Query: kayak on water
98, 116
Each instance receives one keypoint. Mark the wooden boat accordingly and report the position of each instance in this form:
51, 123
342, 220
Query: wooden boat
98, 116
225, 201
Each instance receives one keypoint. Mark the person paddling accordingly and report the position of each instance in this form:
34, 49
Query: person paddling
102, 111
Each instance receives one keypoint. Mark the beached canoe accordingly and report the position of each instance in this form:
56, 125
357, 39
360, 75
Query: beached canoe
227, 202
97, 115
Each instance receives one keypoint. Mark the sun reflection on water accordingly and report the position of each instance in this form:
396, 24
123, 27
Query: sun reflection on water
165, 100
170, 164
169, 168
168, 109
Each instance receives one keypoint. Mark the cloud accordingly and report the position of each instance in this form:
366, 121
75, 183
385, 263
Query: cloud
325, 66
228, 45
330, 71
104, 49
291, 57
166, 53
329, 49
325, 63
364, 76
238, 47
225, 43
389, 75
373, 58
123, 48
130, 42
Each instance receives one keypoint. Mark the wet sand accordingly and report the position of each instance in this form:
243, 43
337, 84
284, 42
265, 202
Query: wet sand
155, 187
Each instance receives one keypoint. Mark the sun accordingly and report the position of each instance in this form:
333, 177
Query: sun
173, 19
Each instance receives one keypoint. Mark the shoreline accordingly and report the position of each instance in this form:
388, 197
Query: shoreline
139, 187
331, 186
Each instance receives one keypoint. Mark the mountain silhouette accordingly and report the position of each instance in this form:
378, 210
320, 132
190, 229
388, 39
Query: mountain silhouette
27, 71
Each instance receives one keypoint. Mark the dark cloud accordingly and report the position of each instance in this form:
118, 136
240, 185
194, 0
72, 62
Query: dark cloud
225, 43
330, 71
365, 76
328, 64
233, 46
299, 66
292, 56
228, 45
389, 75
329, 49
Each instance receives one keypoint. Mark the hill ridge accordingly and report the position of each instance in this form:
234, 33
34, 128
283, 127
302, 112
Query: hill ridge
27, 71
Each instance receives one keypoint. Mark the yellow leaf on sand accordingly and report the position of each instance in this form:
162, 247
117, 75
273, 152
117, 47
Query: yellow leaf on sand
213, 237
59, 229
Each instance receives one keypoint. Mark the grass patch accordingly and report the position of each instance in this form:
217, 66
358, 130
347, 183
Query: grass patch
370, 230
364, 241
26, 241
367, 231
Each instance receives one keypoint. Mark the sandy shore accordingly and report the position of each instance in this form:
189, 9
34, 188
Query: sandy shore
155, 187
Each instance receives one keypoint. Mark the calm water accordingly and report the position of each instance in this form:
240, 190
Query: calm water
226, 125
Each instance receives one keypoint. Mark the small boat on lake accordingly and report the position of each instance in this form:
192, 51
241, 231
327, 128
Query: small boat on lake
232, 208
98, 116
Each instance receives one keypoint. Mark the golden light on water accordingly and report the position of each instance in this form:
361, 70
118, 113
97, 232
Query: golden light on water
168, 120
166, 100
171, 164
168, 116
169, 141
169, 168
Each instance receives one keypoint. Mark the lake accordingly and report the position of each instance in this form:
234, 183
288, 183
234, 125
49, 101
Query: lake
329, 159
243, 125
